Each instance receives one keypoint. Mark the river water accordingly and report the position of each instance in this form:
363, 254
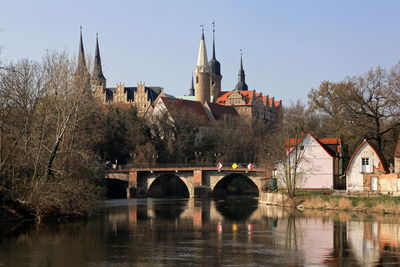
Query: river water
187, 232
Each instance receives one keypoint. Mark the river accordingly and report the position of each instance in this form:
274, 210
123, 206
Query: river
188, 232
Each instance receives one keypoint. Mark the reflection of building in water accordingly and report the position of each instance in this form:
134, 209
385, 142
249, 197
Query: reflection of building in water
363, 241
309, 238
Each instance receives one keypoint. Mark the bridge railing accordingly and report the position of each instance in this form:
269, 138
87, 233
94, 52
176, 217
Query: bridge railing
176, 165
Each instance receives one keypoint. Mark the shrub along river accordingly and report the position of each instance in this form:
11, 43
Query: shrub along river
234, 231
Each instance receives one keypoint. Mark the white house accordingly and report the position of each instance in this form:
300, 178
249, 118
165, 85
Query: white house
364, 168
320, 163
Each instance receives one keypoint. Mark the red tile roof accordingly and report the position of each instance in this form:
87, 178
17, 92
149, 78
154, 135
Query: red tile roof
331, 145
219, 111
248, 97
185, 108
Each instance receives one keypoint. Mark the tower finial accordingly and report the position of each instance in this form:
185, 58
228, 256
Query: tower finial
202, 30
241, 58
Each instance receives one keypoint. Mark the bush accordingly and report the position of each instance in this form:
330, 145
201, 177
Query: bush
62, 197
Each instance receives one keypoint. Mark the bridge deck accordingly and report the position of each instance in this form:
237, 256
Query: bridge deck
173, 169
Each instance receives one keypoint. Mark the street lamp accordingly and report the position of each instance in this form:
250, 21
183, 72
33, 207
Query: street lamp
197, 155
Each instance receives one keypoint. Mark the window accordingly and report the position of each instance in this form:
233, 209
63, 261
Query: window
365, 165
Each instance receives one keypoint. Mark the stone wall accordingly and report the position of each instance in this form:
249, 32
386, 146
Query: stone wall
272, 198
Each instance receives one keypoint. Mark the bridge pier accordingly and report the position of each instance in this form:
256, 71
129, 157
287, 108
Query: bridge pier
200, 187
131, 190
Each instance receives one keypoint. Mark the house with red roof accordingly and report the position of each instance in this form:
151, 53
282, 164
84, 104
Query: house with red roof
319, 162
367, 170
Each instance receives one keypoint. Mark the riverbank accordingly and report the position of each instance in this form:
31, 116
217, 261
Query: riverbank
376, 204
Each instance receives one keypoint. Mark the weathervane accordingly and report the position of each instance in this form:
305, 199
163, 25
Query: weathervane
241, 51
202, 27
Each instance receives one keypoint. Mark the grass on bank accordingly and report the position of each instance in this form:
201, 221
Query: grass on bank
381, 203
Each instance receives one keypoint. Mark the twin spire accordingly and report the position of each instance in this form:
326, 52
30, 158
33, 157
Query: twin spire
81, 69
202, 61
214, 67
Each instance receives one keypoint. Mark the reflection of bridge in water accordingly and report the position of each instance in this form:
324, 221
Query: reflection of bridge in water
320, 238
188, 181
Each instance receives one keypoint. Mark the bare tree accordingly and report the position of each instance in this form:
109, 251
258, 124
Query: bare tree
367, 104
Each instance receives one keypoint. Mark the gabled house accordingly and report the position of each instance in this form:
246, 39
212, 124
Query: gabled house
366, 166
319, 162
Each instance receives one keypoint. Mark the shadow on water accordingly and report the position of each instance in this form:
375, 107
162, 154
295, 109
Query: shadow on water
169, 209
168, 186
237, 207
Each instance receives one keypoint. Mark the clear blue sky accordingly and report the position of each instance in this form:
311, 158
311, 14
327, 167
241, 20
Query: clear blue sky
289, 46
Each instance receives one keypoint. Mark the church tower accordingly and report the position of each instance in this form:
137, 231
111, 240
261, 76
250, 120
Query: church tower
215, 73
81, 75
241, 85
191, 90
98, 78
98, 81
202, 74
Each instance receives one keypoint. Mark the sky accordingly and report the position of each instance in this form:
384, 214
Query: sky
289, 46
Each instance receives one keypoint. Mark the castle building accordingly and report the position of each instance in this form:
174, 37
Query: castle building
205, 88
140, 96
248, 103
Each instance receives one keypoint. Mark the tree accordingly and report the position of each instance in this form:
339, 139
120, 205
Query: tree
45, 125
368, 105
284, 149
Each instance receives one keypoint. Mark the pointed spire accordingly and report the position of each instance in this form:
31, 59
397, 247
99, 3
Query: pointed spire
241, 85
215, 66
202, 62
81, 68
97, 73
191, 90
241, 61
213, 40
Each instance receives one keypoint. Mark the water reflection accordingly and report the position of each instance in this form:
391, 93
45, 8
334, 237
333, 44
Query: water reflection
160, 232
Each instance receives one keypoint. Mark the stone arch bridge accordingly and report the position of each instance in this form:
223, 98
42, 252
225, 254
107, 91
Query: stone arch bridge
199, 181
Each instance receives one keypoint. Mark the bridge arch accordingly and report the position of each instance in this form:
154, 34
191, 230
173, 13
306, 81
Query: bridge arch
168, 185
116, 188
236, 184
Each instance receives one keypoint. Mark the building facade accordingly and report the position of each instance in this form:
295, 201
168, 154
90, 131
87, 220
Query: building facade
140, 96
208, 83
318, 160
